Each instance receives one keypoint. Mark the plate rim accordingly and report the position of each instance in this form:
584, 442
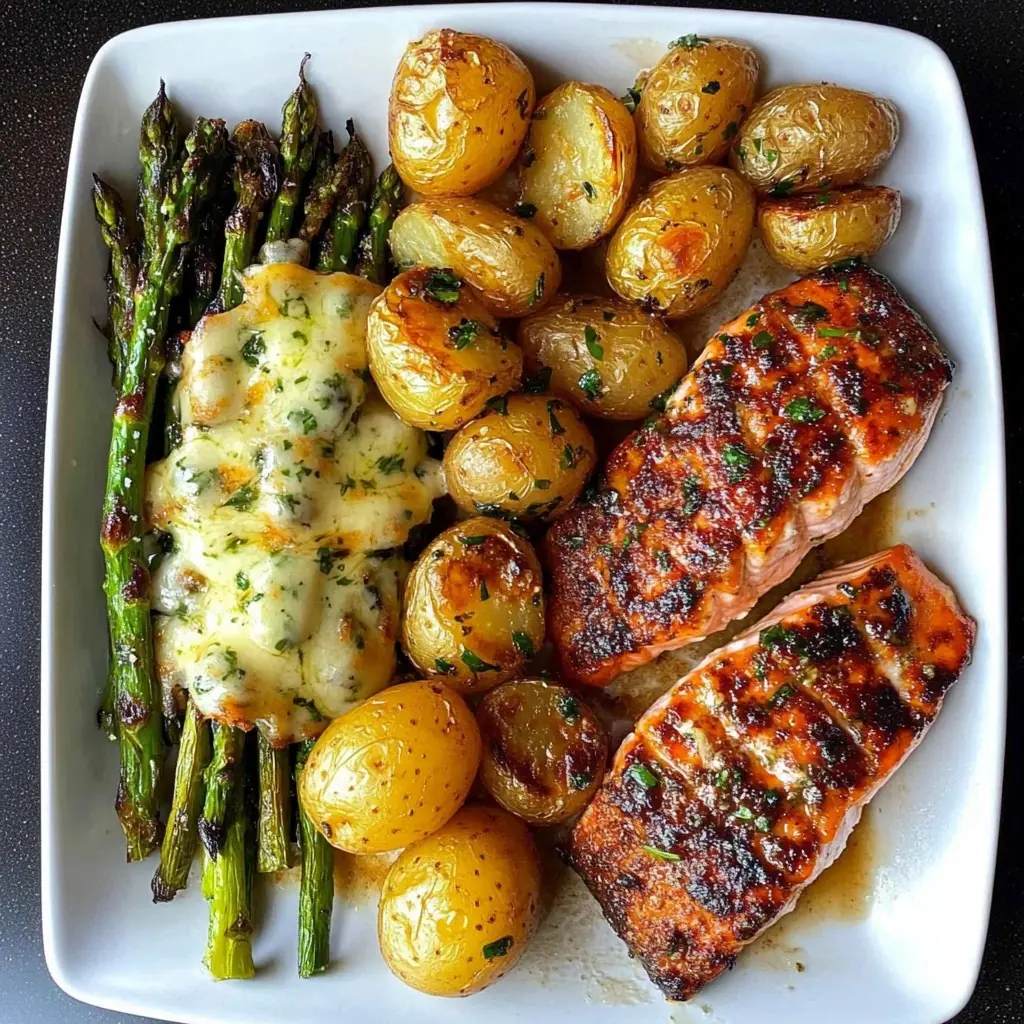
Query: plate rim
121, 44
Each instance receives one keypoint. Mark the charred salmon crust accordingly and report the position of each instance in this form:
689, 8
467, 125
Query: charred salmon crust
741, 784
796, 414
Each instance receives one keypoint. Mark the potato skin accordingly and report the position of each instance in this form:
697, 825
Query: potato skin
544, 750
529, 460
458, 908
803, 137
693, 102
683, 241
806, 233
393, 769
459, 110
579, 164
474, 597
507, 260
437, 362
635, 356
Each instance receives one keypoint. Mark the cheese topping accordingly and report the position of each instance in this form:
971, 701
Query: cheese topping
278, 605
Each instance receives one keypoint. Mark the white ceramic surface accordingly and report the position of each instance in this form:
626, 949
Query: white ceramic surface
913, 954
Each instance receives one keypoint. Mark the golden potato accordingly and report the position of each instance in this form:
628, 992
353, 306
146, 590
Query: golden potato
683, 241
693, 100
393, 769
610, 358
808, 232
544, 750
578, 165
435, 352
803, 137
459, 110
458, 908
474, 607
504, 258
527, 457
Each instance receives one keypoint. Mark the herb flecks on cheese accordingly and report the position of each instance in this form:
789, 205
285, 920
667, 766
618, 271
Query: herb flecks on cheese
279, 603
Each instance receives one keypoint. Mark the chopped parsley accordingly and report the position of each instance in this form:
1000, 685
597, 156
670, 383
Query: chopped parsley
809, 313
833, 332
782, 188
762, 339
737, 461
782, 694
589, 189
568, 459
692, 495
661, 854
828, 352
474, 541
579, 780
592, 339
568, 708
444, 667
500, 947
464, 332
254, 350
443, 286
243, 498
303, 419
523, 644
590, 384
475, 663
804, 410
542, 484
711, 87
556, 427
241, 580
538, 291
632, 99
498, 404
388, 464
642, 774
688, 42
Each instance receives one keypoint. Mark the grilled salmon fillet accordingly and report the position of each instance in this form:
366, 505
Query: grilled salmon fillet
796, 414
741, 784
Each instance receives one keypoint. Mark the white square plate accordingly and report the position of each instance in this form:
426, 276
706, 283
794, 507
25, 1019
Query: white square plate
912, 953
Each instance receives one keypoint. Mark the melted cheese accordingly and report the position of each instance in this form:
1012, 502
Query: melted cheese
279, 603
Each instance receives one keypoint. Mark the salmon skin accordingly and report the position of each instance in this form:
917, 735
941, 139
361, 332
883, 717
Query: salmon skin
741, 784
796, 414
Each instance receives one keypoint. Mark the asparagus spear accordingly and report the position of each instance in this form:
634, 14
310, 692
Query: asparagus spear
224, 770
255, 182
274, 821
229, 939
169, 221
342, 233
316, 887
327, 183
298, 146
374, 252
182, 833
121, 273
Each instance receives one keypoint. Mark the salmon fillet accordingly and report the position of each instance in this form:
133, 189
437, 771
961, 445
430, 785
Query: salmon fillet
796, 414
741, 784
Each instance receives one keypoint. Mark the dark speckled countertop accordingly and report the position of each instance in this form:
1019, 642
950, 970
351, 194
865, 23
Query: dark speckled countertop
44, 54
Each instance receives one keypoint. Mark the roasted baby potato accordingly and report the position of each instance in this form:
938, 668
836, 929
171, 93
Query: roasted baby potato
393, 769
459, 110
474, 608
578, 164
693, 101
610, 358
683, 241
544, 750
505, 258
808, 232
458, 908
527, 457
803, 137
435, 352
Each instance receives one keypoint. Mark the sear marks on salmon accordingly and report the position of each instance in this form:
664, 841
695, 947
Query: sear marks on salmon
742, 783
796, 414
